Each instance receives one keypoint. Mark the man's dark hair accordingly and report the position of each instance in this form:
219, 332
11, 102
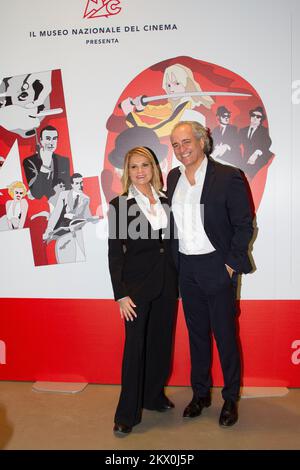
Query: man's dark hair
75, 175
222, 110
47, 128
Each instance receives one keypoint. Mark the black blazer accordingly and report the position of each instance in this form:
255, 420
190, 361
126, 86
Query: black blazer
228, 220
260, 140
140, 261
231, 138
38, 182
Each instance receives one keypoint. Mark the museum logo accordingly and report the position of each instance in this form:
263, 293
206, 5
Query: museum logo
100, 8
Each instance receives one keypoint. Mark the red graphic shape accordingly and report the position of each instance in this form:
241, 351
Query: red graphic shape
211, 77
43, 254
107, 8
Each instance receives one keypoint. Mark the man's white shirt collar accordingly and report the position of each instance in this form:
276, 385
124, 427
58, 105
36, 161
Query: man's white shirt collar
199, 172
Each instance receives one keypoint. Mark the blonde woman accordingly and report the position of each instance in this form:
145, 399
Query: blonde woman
177, 79
16, 209
144, 281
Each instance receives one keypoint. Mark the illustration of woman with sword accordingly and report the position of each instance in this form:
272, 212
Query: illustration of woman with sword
183, 93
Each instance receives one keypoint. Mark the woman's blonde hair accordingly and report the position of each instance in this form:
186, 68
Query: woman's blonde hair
156, 180
184, 75
14, 185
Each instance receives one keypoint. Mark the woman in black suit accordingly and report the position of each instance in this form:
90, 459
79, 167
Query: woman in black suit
144, 281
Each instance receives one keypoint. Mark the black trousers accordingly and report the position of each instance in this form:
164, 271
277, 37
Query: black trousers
209, 302
146, 357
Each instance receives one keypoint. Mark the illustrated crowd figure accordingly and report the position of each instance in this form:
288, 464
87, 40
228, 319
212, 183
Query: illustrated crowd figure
24, 104
247, 148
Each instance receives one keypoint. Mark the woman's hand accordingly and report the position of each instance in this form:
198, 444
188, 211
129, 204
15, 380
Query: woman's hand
126, 308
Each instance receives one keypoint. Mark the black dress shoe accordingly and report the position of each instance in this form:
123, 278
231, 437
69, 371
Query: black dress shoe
122, 429
167, 405
229, 413
196, 406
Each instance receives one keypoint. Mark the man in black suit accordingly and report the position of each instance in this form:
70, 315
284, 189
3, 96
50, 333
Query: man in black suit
256, 143
211, 250
43, 169
226, 140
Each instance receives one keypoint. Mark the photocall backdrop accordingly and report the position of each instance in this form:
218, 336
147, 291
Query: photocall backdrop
99, 77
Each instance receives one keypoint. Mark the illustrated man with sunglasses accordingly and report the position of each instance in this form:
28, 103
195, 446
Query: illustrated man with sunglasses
256, 143
225, 139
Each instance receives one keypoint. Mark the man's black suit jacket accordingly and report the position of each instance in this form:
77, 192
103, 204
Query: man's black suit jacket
39, 183
260, 140
137, 265
231, 138
228, 219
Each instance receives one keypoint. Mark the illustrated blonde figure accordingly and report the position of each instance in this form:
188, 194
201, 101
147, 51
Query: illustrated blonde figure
16, 209
177, 79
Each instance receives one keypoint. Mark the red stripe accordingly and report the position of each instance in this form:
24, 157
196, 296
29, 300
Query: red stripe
82, 340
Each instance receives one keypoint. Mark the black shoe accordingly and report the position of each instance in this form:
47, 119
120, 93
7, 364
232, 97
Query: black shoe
167, 405
229, 413
196, 406
122, 428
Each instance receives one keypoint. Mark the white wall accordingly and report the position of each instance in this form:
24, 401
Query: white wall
258, 40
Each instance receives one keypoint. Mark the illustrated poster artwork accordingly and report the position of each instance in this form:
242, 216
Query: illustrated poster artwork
40, 189
183, 88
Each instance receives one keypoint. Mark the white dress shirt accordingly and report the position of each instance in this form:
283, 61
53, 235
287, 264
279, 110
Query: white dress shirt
223, 127
251, 131
187, 213
154, 213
